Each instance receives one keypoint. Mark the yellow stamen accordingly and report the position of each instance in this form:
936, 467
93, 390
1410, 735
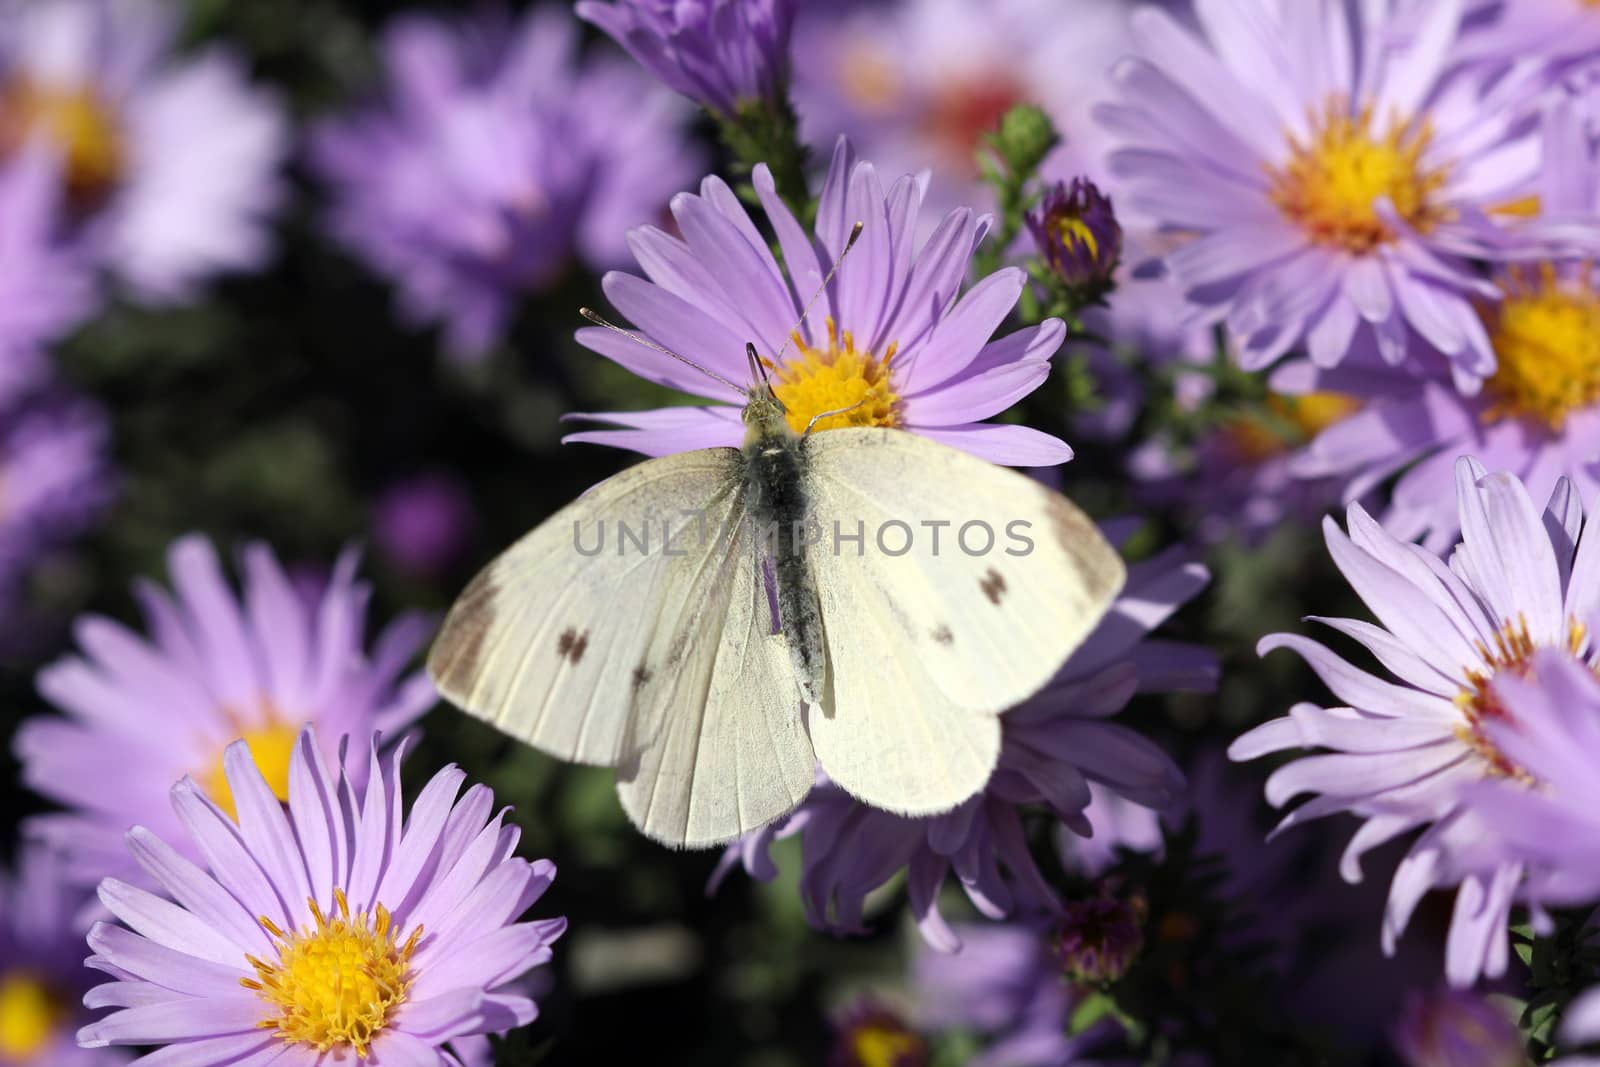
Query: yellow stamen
1075, 229
838, 378
1512, 653
77, 121
1331, 186
270, 747
1288, 423
30, 1016
337, 984
1546, 338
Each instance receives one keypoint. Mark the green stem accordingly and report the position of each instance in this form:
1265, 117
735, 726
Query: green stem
766, 132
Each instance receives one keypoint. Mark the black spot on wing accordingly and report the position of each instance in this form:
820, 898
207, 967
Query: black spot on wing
641, 677
993, 584
571, 645
943, 636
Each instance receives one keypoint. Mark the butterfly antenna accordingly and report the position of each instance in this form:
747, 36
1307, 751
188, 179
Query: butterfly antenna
855, 235
593, 317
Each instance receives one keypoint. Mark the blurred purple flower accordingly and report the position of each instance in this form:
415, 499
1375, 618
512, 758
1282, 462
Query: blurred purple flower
302, 943
1538, 415
1052, 747
45, 287
1406, 754
1238, 481
56, 484
916, 84
1078, 235
139, 712
1563, 33
1336, 181
170, 165
424, 524
1458, 1028
493, 157
871, 1034
1581, 1026
1006, 986
42, 978
724, 55
890, 332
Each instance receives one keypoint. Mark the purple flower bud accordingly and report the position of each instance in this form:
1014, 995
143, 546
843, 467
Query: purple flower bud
722, 54
1078, 234
1457, 1028
1097, 939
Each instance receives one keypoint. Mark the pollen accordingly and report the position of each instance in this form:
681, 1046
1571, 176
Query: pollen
30, 1016
337, 985
1333, 182
1286, 423
1512, 653
270, 747
77, 121
855, 385
1546, 338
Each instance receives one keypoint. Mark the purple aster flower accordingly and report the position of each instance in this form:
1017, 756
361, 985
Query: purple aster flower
324, 929
889, 335
141, 712
424, 524
44, 286
1538, 415
493, 157
1548, 729
916, 84
1052, 748
1336, 182
42, 978
1405, 753
1078, 235
725, 55
1006, 985
170, 165
1458, 1028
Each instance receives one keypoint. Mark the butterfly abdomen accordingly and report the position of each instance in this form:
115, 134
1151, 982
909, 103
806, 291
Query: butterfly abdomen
774, 464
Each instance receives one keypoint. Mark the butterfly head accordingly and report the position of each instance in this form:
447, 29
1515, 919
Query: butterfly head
764, 414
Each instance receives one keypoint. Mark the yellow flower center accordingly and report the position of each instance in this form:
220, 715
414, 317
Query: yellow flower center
854, 385
1547, 343
1286, 423
334, 986
82, 127
30, 1015
880, 1045
1512, 653
270, 747
1331, 185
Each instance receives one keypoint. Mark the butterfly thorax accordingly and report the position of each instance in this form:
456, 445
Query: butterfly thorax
775, 484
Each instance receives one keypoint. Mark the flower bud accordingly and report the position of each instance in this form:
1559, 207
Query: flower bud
1078, 236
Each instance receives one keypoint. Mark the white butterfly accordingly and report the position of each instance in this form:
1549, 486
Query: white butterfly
731, 633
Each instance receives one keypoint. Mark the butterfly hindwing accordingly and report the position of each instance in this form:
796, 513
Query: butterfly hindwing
927, 645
